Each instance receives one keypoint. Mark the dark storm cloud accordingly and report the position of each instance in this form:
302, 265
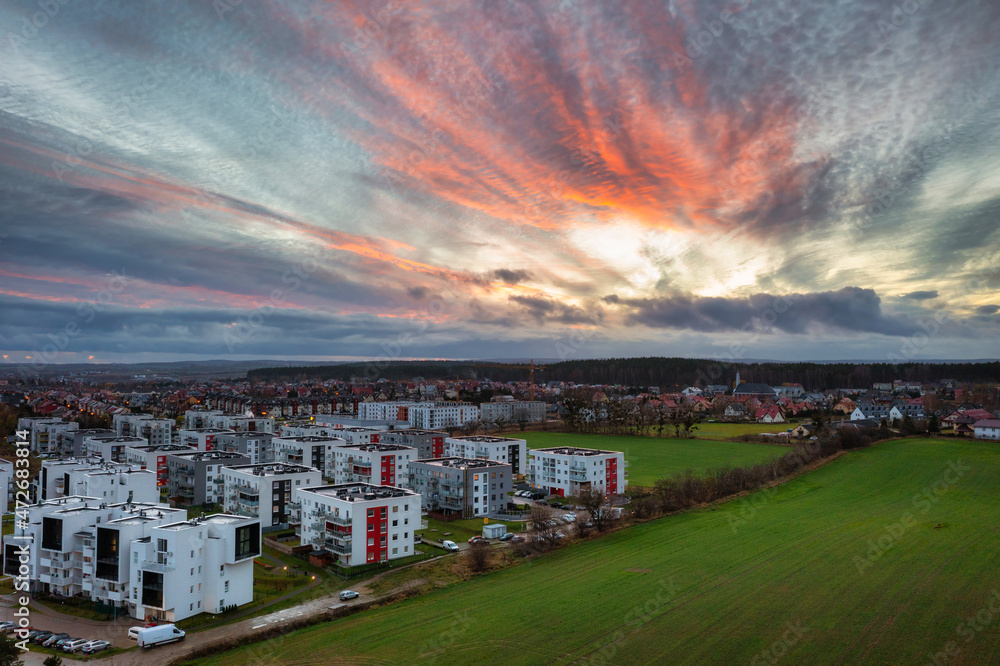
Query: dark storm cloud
850, 309
551, 310
921, 295
988, 309
511, 276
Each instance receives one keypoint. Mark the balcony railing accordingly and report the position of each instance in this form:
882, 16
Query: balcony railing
148, 565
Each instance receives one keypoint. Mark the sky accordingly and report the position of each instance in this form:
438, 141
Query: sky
499, 179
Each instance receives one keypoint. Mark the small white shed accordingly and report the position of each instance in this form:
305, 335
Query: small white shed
494, 530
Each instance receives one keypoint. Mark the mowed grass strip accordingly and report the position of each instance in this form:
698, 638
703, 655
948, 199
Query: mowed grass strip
723, 585
652, 458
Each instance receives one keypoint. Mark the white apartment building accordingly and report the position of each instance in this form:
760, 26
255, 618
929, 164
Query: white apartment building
153, 430
512, 411
200, 439
504, 449
46, 433
110, 448
567, 471
54, 477
195, 566
385, 411
113, 484
354, 435
63, 556
195, 477
376, 464
308, 450
254, 445
304, 429
359, 523
154, 458
436, 415
336, 421
265, 491
199, 418
6, 485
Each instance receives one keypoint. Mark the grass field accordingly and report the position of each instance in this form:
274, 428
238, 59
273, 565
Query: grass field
847, 564
652, 458
460, 530
727, 430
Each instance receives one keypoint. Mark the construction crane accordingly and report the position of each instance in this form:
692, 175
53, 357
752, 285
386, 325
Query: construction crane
531, 380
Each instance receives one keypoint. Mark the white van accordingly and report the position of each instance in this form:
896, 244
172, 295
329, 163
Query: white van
450, 545
148, 637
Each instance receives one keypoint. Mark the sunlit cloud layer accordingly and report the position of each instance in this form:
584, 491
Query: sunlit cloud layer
493, 179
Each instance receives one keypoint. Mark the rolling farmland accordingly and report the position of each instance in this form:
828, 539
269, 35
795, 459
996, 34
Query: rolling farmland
886, 555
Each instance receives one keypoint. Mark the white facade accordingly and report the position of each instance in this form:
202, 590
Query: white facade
54, 477
46, 433
435, 415
114, 484
153, 430
504, 449
111, 449
195, 566
377, 464
6, 485
153, 458
358, 435
987, 429
359, 523
307, 450
512, 411
566, 471
199, 418
200, 439
80, 545
265, 491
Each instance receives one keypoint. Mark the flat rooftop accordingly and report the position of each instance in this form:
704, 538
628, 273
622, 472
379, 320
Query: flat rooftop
574, 451
214, 519
149, 448
486, 439
359, 492
462, 463
310, 439
378, 447
424, 433
205, 430
208, 455
115, 438
273, 469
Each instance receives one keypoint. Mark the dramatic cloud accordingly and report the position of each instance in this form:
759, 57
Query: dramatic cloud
652, 174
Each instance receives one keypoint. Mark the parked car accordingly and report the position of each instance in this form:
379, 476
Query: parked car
555, 505
569, 517
40, 636
507, 536
58, 645
477, 539
95, 646
347, 595
75, 646
7, 626
51, 640
133, 632
517, 538
450, 546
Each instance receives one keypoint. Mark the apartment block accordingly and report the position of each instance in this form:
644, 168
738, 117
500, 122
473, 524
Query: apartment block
195, 566
428, 443
112, 484
154, 458
46, 434
153, 430
254, 445
355, 435
265, 491
376, 464
512, 411
504, 449
6, 485
359, 523
436, 415
200, 439
110, 448
195, 477
195, 419
73, 440
54, 477
469, 487
345, 421
63, 557
307, 450
567, 471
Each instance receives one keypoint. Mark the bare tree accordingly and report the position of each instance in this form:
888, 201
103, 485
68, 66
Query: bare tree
478, 556
521, 417
600, 513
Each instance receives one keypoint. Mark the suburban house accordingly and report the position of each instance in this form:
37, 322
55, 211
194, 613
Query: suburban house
987, 429
769, 414
735, 411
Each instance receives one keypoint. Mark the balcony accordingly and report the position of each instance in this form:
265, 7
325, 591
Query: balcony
577, 476
342, 521
148, 565
341, 550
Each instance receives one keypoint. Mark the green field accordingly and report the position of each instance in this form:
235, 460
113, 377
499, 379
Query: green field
727, 430
460, 530
652, 458
800, 575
